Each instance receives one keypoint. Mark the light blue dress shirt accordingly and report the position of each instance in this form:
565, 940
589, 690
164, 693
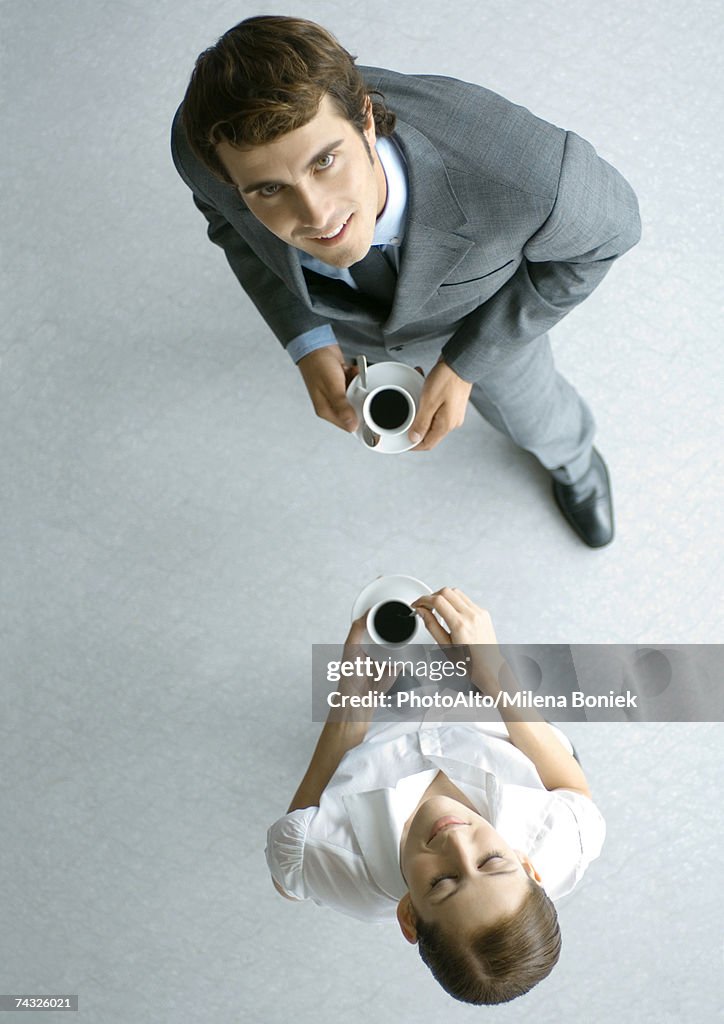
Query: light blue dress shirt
389, 234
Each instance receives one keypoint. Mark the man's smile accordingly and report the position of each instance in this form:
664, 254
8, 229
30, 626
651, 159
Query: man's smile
335, 234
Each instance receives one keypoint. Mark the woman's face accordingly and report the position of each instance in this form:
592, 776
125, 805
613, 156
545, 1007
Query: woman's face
459, 871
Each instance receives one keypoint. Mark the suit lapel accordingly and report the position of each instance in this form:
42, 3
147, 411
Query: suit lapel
435, 242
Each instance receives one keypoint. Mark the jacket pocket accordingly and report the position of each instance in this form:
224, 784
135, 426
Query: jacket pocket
474, 280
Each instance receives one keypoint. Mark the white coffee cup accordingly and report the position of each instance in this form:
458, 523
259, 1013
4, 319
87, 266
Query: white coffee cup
392, 624
389, 410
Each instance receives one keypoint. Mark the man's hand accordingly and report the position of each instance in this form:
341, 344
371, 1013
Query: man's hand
327, 377
442, 407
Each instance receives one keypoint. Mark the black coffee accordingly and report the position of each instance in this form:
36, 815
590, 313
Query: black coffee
394, 622
389, 409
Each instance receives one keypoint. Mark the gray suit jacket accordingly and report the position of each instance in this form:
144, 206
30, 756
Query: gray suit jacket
511, 223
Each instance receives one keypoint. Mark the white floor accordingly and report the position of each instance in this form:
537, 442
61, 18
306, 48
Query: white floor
177, 528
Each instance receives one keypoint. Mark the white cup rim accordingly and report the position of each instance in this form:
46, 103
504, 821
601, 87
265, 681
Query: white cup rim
375, 636
389, 431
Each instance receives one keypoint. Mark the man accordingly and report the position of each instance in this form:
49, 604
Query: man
444, 224
465, 832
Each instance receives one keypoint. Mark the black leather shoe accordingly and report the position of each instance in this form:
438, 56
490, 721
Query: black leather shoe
587, 504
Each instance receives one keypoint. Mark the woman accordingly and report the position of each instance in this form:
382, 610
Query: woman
465, 832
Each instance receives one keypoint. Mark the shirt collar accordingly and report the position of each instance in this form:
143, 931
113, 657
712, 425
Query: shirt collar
390, 225
377, 818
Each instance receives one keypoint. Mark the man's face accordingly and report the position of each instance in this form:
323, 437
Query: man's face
460, 872
318, 180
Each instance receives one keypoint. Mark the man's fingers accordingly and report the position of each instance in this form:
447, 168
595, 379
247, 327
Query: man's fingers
419, 426
339, 412
424, 419
436, 431
350, 372
346, 417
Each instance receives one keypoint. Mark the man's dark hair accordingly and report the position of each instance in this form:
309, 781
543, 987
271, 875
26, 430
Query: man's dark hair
264, 78
498, 963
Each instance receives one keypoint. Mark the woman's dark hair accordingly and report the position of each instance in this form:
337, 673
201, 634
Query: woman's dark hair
498, 963
264, 78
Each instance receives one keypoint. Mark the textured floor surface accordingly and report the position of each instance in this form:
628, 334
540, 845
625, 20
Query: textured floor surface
177, 528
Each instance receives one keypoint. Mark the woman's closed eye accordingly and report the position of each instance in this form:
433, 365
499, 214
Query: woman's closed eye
495, 855
440, 878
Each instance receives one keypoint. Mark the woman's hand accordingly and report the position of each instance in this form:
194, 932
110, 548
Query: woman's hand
353, 643
371, 677
464, 623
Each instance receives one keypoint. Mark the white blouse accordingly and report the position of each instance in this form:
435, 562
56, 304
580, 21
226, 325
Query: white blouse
345, 853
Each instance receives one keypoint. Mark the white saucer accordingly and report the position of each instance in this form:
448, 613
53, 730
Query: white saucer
388, 588
402, 376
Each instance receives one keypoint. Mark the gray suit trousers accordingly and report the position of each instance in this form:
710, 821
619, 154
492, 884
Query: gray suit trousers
524, 397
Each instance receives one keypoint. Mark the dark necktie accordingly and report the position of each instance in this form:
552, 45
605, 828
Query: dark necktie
375, 277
